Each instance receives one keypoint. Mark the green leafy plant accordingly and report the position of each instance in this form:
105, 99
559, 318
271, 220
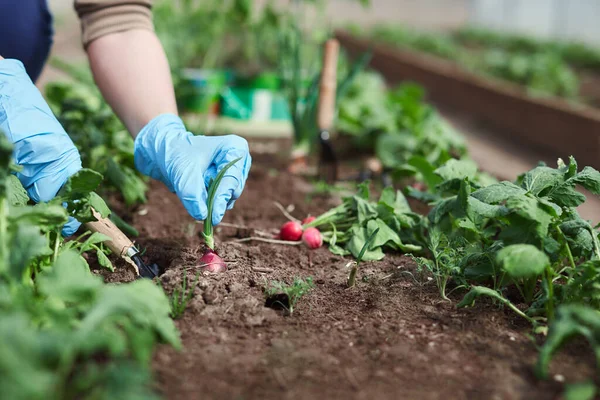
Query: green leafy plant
445, 260
572, 320
207, 232
347, 227
71, 334
354, 264
282, 295
542, 67
181, 297
300, 70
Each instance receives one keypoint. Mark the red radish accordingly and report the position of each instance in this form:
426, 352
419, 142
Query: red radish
308, 220
312, 238
211, 262
291, 231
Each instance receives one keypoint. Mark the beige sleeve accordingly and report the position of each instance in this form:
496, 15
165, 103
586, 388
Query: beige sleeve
101, 17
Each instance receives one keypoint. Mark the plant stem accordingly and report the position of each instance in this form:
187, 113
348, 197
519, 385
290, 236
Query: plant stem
569, 254
334, 215
519, 312
352, 276
56, 246
550, 303
208, 230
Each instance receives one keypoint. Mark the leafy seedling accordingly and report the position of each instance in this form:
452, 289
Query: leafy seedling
182, 296
207, 233
282, 296
354, 270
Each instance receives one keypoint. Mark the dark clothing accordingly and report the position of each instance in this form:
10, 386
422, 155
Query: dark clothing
26, 33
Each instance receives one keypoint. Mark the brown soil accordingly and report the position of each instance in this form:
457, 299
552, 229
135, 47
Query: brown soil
390, 337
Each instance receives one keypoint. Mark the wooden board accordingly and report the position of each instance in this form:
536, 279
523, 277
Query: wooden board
553, 125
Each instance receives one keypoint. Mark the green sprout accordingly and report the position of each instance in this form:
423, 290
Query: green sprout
181, 297
207, 233
354, 270
282, 295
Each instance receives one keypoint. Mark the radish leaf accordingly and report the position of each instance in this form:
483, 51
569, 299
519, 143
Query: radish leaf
207, 233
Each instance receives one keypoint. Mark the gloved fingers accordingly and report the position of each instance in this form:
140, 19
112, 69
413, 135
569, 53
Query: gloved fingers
70, 227
210, 174
238, 171
190, 189
230, 204
55, 175
223, 198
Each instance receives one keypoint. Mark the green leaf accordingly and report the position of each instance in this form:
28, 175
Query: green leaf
82, 182
457, 169
579, 237
522, 261
207, 233
498, 193
565, 194
17, 195
426, 170
46, 216
365, 210
394, 199
358, 238
140, 304
94, 239
580, 391
70, 280
369, 242
99, 204
541, 178
479, 210
589, 178
26, 244
338, 251
23, 371
476, 291
386, 235
103, 260
572, 320
528, 220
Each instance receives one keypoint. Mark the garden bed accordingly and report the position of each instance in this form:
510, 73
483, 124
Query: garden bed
391, 336
553, 125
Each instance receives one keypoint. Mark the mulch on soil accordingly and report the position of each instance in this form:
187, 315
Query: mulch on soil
390, 337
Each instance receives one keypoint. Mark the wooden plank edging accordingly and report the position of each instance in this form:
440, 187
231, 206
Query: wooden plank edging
553, 125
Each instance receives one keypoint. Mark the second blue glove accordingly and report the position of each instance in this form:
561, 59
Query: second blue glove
166, 151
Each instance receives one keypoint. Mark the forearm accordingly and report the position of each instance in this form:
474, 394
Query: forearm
132, 72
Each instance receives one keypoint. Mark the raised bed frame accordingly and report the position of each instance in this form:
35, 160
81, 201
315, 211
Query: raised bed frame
553, 125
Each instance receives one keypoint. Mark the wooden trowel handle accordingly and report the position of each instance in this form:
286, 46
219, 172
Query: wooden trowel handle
119, 243
328, 84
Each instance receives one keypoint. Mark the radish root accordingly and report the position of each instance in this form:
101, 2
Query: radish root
285, 213
261, 239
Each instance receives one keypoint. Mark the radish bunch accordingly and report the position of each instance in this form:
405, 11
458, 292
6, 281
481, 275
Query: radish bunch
293, 231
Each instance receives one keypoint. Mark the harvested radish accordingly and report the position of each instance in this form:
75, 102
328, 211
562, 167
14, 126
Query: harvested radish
211, 262
312, 238
291, 231
308, 220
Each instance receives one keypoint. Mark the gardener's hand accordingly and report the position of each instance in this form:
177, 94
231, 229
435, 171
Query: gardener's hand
166, 151
42, 147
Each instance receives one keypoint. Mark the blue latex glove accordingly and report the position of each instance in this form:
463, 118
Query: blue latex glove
41, 145
166, 151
